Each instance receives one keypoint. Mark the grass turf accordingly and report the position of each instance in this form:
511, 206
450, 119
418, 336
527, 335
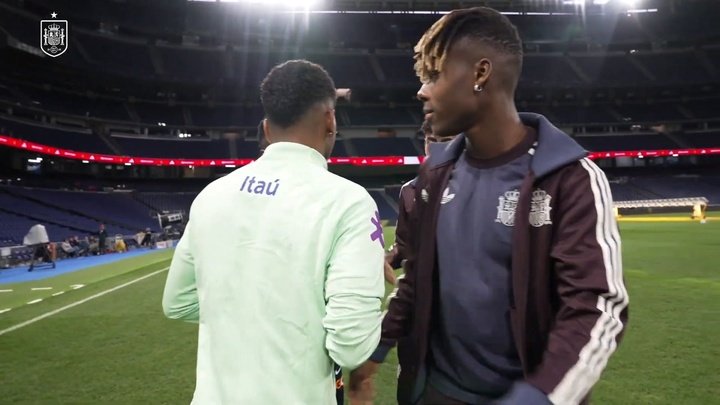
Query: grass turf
23, 292
119, 348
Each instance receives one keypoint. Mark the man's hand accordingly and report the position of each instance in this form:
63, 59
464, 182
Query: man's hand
390, 254
389, 274
362, 387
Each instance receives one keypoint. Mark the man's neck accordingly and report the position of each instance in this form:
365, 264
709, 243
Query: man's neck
500, 132
298, 135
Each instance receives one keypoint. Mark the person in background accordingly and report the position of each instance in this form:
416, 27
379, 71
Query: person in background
396, 255
67, 247
147, 238
120, 245
102, 239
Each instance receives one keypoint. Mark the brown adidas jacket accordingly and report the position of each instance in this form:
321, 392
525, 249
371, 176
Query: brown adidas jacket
407, 201
569, 302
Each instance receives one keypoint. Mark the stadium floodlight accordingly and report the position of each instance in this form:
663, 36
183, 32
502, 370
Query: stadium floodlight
296, 4
600, 2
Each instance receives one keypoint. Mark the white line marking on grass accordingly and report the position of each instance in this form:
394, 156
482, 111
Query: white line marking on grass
4, 310
41, 288
34, 301
6, 290
76, 286
58, 293
74, 304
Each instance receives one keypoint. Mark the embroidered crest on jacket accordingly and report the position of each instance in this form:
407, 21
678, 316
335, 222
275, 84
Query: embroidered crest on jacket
507, 203
539, 208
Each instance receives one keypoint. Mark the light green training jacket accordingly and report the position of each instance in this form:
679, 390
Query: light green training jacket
282, 266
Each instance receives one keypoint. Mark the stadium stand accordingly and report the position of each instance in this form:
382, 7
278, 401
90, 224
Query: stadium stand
702, 140
681, 186
384, 146
612, 81
110, 54
174, 148
15, 227
386, 206
155, 113
167, 202
186, 64
82, 210
626, 142
62, 138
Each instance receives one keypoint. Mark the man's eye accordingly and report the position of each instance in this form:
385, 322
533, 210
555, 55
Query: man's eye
433, 75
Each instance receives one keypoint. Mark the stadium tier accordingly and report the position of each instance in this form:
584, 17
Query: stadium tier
612, 80
614, 69
201, 149
70, 213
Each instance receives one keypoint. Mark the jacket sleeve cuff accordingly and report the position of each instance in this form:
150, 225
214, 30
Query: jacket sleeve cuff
525, 394
382, 350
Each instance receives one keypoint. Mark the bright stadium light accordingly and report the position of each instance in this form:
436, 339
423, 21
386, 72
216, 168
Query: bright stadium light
296, 4
600, 2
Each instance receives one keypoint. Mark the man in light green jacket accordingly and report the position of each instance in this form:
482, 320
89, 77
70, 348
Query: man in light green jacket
281, 261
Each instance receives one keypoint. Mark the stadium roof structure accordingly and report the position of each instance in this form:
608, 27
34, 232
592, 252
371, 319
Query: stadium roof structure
410, 6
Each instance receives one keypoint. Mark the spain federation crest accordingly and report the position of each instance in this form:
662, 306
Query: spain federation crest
507, 203
53, 36
540, 208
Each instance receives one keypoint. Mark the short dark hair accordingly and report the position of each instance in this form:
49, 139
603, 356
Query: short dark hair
292, 88
481, 23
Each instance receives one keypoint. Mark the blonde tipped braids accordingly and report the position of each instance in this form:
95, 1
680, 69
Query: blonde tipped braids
429, 56
432, 49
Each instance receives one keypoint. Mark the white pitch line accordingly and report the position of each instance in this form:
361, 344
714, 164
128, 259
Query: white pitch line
41, 288
74, 304
58, 293
6, 290
4, 310
35, 301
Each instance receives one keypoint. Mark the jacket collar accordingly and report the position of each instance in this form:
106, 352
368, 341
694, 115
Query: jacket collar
294, 152
555, 148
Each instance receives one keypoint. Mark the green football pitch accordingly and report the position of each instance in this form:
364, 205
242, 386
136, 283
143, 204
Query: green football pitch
117, 347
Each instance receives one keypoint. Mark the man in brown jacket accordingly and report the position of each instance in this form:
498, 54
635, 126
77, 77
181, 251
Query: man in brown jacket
513, 292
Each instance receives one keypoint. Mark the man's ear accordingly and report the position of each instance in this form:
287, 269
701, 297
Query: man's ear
330, 121
266, 130
483, 70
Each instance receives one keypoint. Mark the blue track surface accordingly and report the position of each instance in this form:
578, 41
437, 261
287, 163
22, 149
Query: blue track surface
20, 274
